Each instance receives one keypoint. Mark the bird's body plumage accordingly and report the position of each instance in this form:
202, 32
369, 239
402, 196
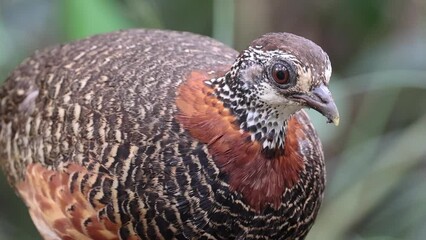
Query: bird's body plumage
125, 136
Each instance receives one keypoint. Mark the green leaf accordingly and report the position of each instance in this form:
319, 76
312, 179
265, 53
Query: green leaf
84, 18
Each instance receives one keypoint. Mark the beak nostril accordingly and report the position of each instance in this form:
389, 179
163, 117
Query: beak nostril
323, 94
321, 97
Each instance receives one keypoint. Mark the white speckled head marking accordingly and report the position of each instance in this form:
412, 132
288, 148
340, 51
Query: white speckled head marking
263, 106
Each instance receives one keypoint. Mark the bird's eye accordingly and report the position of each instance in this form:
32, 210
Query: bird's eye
281, 74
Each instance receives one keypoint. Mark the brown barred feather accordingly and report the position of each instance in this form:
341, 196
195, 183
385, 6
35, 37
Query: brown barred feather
59, 205
151, 134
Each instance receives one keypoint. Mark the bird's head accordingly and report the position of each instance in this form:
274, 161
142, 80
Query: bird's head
276, 76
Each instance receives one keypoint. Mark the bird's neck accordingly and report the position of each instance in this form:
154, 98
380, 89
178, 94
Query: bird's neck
260, 178
266, 124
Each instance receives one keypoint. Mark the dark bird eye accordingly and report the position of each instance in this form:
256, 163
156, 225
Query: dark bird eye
280, 73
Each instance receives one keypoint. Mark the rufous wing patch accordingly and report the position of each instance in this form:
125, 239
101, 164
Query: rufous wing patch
259, 179
59, 205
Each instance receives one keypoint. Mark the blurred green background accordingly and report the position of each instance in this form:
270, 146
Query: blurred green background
376, 158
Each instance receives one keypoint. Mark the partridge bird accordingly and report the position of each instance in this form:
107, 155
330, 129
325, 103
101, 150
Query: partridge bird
149, 134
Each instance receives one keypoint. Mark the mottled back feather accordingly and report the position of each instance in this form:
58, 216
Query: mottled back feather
107, 105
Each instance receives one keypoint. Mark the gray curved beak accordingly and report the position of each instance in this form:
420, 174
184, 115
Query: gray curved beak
321, 100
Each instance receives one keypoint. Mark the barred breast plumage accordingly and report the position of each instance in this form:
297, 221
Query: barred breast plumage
150, 134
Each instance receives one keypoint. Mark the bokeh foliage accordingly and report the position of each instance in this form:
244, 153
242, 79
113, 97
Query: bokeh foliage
375, 159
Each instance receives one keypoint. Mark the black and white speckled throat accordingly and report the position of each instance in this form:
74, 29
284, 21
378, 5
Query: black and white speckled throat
265, 124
